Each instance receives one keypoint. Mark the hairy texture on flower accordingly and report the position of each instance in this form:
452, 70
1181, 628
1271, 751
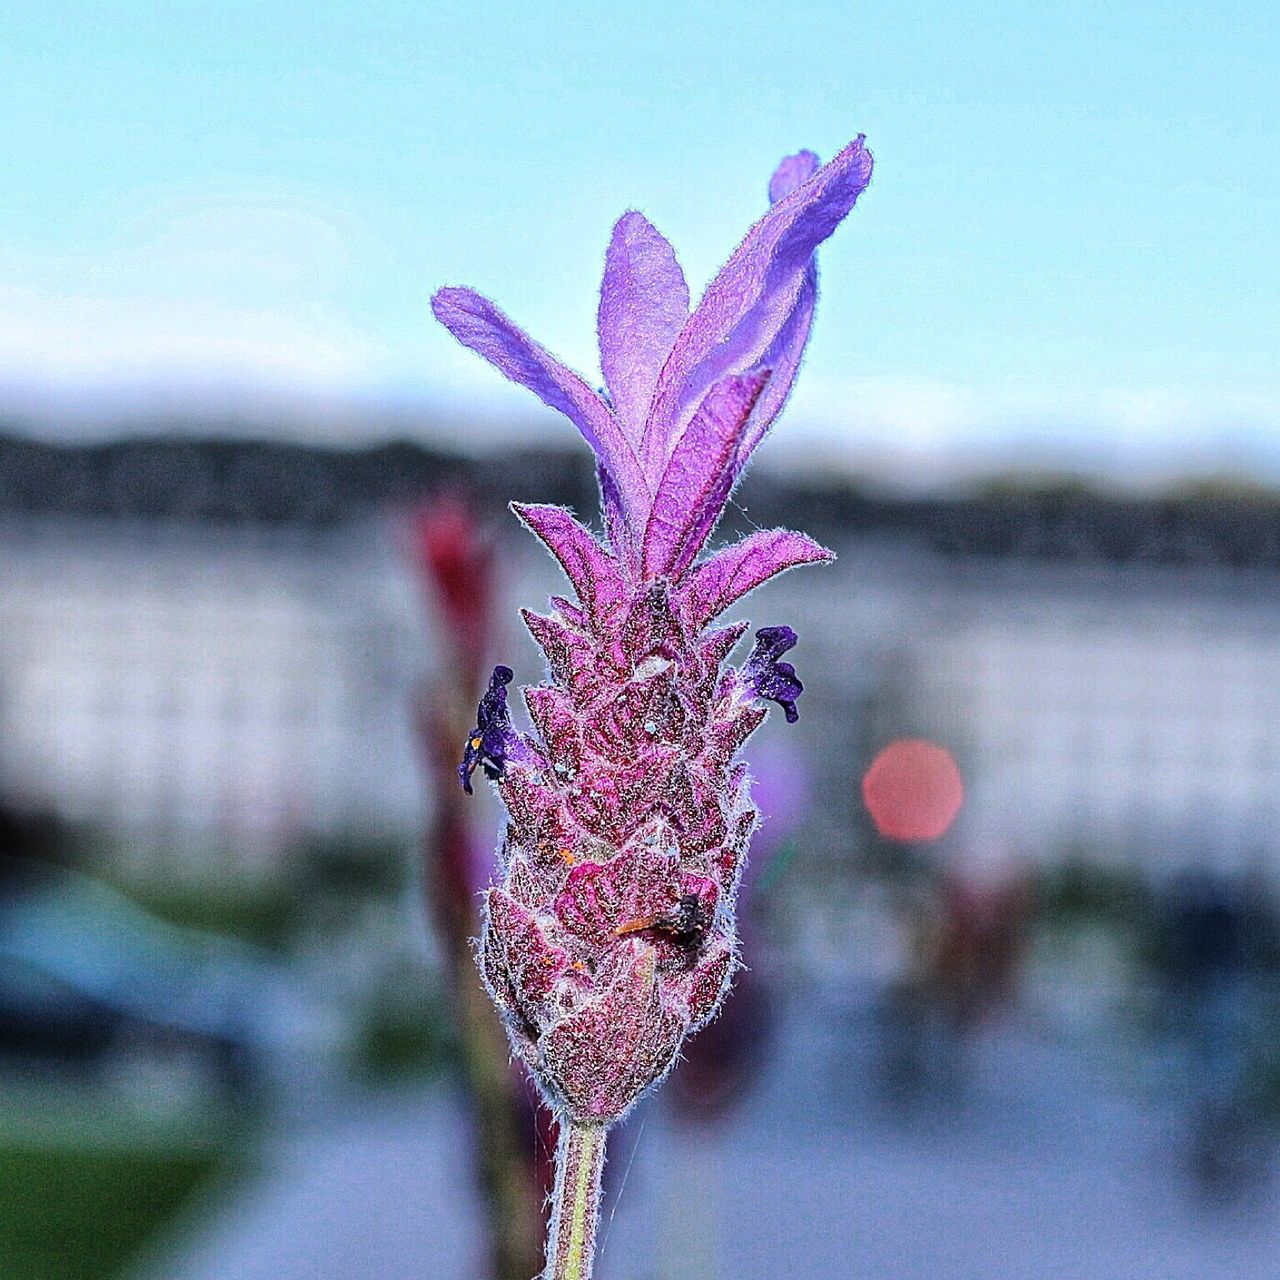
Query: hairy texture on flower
611, 935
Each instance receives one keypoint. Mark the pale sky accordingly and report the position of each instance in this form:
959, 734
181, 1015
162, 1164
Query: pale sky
1070, 241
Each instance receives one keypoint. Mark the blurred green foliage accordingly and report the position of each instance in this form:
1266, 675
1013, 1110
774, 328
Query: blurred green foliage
1079, 888
404, 1035
274, 911
263, 915
81, 1214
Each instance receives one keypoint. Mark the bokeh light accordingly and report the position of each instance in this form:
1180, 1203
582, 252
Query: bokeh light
913, 790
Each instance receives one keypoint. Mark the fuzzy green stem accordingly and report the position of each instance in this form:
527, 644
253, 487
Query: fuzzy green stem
575, 1208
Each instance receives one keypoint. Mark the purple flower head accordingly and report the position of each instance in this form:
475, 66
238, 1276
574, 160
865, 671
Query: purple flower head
611, 935
768, 678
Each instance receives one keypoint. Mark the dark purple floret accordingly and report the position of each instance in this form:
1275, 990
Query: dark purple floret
768, 677
489, 743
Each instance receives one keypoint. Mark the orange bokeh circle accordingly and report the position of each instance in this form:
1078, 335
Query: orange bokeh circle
913, 790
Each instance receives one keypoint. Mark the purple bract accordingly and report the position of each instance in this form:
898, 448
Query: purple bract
611, 935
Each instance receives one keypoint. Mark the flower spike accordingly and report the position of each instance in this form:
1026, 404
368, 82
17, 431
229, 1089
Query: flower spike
612, 935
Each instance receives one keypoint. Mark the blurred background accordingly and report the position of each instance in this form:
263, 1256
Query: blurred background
255, 561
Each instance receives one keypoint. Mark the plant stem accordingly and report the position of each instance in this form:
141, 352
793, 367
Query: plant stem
575, 1211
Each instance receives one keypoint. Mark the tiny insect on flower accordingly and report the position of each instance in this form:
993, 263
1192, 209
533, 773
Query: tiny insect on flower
686, 924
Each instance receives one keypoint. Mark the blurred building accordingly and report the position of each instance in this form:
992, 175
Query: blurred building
1106, 668
214, 647
1128, 711
175, 682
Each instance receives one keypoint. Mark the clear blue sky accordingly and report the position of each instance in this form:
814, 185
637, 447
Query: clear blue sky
1072, 230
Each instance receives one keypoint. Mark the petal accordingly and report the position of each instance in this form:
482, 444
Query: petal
541, 827
790, 173
652, 626
728, 860
552, 712
592, 570
766, 676
733, 724
622, 537
492, 742
716, 646
695, 483
709, 982
597, 899
729, 574
784, 354
613, 805
783, 358
747, 305
643, 710
477, 323
590, 904
694, 807
644, 302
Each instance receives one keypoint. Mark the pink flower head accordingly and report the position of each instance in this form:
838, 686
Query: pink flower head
611, 935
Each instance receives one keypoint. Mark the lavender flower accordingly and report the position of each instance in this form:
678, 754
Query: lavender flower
611, 936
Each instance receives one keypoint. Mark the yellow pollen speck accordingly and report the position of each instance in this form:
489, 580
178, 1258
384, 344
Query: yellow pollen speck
475, 744
566, 856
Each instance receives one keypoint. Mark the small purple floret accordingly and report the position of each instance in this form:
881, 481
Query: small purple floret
768, 678
489, 743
